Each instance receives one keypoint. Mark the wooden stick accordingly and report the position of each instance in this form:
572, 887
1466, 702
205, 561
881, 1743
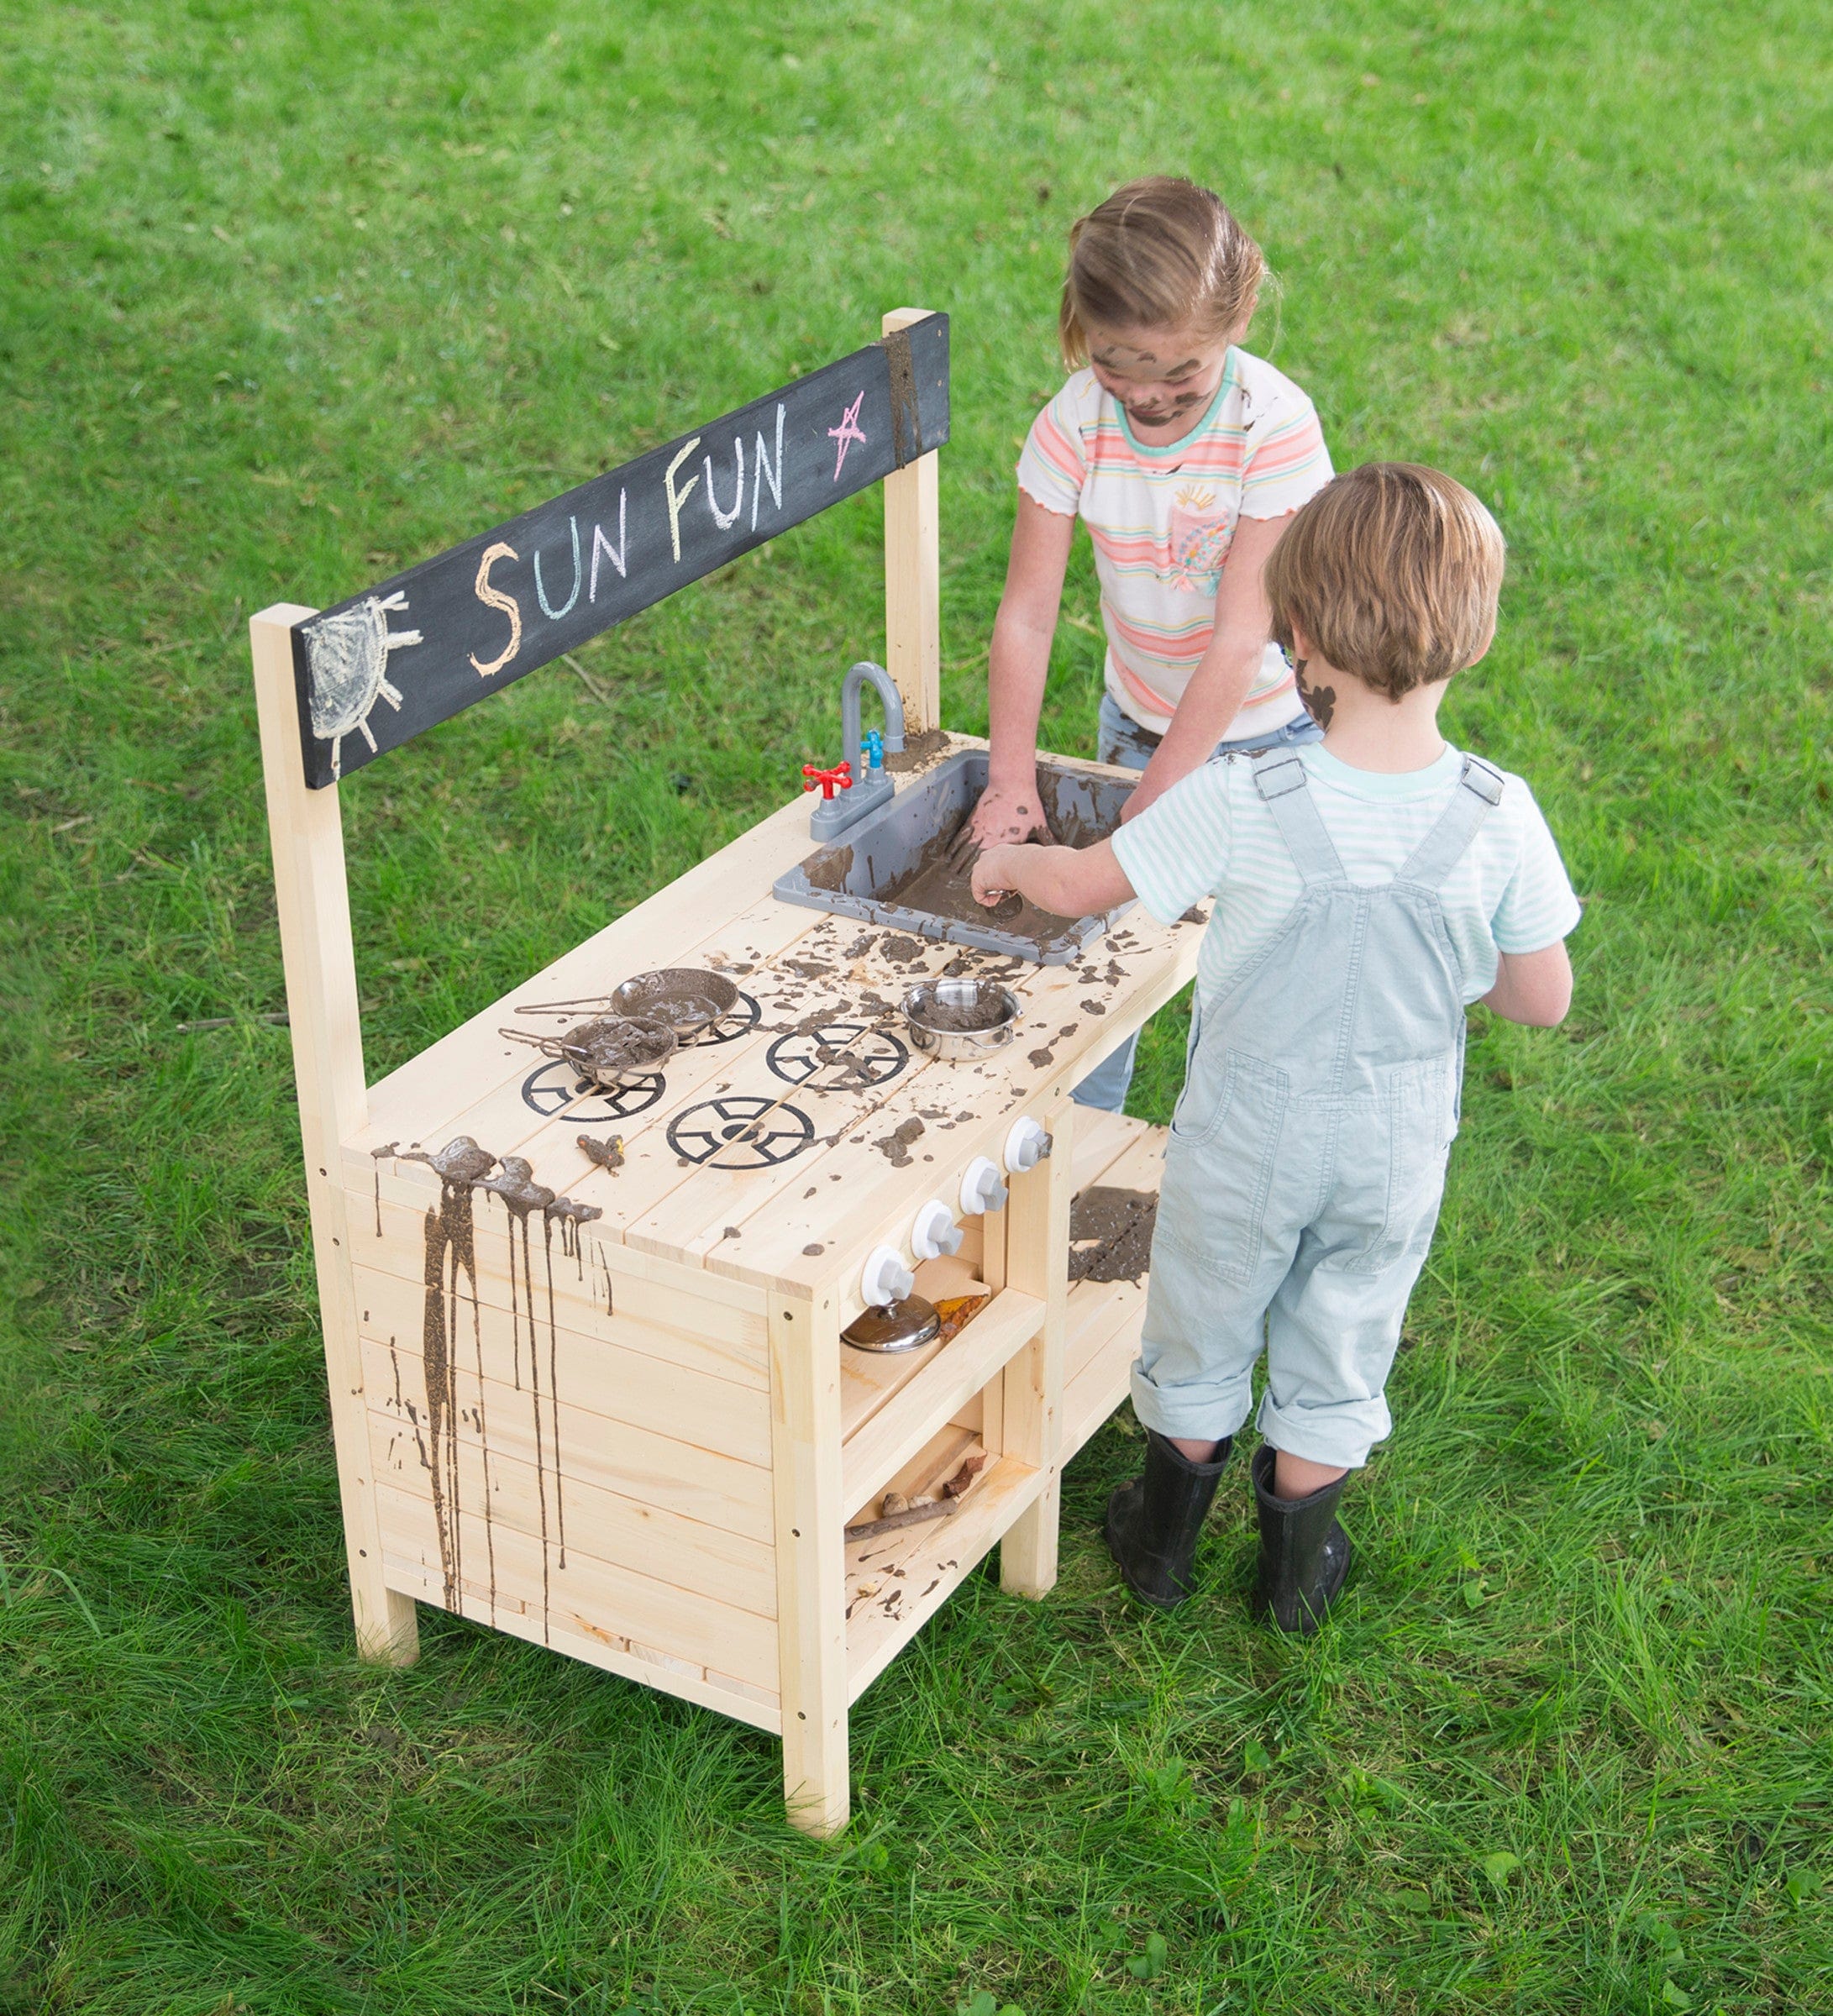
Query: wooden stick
592, 686
911, 1516
228, 1022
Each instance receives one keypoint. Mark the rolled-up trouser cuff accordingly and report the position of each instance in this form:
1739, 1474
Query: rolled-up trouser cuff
1340, 1435
1201, 1411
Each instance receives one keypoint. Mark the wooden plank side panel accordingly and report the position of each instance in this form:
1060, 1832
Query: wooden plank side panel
574, 1514
591, 1372
648, 1467
611, 1600
709, 1325
627, 1658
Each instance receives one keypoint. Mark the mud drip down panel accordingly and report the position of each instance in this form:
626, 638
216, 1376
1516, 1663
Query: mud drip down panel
892, 867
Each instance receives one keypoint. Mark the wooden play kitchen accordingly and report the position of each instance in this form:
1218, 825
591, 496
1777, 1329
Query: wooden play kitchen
584, 1301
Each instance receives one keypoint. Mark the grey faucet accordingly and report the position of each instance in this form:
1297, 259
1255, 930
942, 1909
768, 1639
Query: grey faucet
871, 787
849, 709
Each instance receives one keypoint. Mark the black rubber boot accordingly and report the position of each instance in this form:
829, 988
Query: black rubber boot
1153, 1521
1303, 1552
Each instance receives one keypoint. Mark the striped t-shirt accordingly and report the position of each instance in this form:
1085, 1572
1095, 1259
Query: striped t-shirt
1162, 520
1213, 834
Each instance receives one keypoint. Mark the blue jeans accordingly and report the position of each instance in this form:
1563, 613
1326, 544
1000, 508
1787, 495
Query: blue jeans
1121, 740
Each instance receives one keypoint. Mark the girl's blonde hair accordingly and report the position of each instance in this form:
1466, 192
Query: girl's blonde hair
1160, 253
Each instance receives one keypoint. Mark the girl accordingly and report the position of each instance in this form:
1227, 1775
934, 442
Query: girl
1185, 456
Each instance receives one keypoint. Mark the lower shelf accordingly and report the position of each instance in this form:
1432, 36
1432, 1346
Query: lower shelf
896, 1582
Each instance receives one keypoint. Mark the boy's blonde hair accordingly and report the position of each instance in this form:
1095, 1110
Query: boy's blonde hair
1160, 253
1392, 570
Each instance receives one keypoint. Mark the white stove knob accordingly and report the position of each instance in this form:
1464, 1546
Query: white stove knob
885, 1278
982, 1189
935, 1232
1026, 1147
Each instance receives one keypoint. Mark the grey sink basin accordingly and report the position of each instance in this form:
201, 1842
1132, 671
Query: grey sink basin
892, 868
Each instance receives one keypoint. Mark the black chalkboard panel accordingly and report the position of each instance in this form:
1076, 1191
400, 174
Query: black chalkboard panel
373, 671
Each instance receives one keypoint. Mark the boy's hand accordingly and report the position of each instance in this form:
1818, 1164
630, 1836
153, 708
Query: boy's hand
994, 874
1004, 815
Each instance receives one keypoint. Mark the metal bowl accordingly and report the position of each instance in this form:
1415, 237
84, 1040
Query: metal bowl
687, 998
920, 1002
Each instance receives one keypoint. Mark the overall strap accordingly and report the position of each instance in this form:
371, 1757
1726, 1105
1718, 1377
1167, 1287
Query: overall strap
1478, 791
1280, 778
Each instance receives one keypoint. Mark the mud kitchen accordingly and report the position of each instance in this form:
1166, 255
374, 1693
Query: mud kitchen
710, 1306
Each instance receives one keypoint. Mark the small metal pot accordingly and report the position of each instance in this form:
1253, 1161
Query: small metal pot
955, 1046
613, 1050
688, 999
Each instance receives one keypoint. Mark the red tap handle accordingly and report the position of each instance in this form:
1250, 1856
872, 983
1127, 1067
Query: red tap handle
841, 774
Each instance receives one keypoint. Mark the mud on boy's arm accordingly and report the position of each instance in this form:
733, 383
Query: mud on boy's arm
1068, 881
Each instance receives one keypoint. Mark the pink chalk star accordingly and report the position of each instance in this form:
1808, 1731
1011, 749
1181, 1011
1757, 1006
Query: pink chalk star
847, 430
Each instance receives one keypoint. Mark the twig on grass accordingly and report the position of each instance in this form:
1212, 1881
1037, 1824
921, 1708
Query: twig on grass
229, 1021
592, 686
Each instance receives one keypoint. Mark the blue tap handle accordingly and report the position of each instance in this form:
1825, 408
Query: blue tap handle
872, 748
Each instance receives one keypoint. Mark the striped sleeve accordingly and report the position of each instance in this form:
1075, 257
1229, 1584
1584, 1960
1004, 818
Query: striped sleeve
1177, 850
1538, 907
1287, 462
1054, 462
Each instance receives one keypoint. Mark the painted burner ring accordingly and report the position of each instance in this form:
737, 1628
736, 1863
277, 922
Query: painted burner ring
558, 1087
740, 1131
873, 1056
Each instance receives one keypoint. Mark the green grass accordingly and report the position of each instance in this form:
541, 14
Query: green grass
291, 295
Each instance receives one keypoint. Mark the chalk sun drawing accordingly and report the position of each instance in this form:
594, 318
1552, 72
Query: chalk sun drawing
847, 431
348, 654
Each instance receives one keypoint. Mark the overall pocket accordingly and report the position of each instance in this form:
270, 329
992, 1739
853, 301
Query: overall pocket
1219, 1166
1403, 1154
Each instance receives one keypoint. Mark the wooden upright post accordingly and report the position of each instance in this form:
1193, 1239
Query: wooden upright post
314, 902
913, 577
811, 1561
1038, 1263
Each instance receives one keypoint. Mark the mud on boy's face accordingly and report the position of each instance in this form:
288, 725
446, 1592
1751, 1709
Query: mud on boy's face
1158, 376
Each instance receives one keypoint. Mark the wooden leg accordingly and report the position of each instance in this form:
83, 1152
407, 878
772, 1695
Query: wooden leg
390, 1633
1037, 1263
811, 1563
312, 900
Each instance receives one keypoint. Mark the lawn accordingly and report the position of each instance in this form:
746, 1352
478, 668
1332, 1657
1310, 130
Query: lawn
291, 295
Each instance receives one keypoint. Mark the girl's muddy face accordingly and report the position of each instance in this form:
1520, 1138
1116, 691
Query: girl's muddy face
1163, 378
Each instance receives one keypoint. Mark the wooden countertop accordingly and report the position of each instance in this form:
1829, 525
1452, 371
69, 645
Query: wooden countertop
849, 1164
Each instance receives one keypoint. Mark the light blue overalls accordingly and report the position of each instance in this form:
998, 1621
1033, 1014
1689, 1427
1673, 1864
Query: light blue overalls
1307, 1154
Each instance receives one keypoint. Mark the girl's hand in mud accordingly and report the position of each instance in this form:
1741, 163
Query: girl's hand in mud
993, 875
1003, 817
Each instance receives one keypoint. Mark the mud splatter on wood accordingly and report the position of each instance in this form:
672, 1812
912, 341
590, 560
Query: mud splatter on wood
464, 1168
1110, 1234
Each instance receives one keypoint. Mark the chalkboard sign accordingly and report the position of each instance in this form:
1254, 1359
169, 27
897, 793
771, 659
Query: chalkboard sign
375, 671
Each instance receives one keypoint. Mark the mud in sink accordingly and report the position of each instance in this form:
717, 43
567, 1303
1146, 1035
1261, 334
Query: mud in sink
892, 867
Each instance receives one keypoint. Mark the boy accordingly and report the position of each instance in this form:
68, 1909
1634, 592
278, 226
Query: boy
1369, 887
